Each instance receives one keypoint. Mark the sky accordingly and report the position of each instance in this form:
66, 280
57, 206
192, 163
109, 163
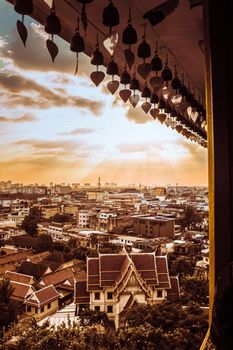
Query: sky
57, 127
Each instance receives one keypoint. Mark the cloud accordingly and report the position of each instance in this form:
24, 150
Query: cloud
35, 56
23, 119
196, 153
133, 148
137, 115
51, 145
80, 131
59, 147
27, 92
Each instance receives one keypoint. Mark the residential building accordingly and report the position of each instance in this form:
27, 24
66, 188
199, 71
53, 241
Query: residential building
153, 226
56, 230
42, 303
84, 218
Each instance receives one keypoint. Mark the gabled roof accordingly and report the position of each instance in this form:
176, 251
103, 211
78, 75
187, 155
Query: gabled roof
81, 293
93, 275
37, 258
55, 256
111, 268
43, 296
31, 269
25, 241
12, 258
163, 273
19, 277
173, 294
146, 267
108, 270
21, 291
57, 277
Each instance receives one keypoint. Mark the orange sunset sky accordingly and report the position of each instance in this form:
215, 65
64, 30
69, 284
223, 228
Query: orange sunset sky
61, 128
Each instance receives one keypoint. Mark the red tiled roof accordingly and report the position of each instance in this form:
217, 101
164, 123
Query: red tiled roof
173, 294
19, 277
107, 270
163, 273
57, 277
93, 277
32, 269
112, 267
43, 296
21, 291
11, 258
81, 293
146, 267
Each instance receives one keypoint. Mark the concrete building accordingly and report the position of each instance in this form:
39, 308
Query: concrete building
96, 195
153, 226
84, 218
56, 230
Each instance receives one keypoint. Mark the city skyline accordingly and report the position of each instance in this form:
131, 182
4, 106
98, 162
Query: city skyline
57, 127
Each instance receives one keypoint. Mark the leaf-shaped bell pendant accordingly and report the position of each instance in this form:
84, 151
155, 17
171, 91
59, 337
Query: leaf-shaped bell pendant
52, 27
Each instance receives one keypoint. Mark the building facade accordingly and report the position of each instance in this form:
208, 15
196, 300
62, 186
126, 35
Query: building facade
153, 226
115, 282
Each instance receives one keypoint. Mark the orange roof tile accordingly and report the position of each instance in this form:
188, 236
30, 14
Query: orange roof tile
19, 277
43, 296
21, 291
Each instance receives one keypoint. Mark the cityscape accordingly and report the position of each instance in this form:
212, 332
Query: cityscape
81, 254
104, 202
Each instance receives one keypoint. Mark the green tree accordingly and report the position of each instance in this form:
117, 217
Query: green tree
8, 309
44, 242
60, 218
189, 324
142, 337
196, 288
190, 217
180, 265
30, 221
92, 318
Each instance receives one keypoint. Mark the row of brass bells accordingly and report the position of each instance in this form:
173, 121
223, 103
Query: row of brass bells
129, 37
97, 59
77, 45
144, 51
125, 79
52, 27
23, 7
112, 69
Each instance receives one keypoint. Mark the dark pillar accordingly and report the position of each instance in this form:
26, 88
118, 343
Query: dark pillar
219, 64
219, 84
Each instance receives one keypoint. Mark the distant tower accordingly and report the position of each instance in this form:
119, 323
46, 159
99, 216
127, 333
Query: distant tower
99, 183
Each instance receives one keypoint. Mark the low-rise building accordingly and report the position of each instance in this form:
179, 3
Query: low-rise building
153, 226
42, 303
84, 218
56, 230
115, 282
